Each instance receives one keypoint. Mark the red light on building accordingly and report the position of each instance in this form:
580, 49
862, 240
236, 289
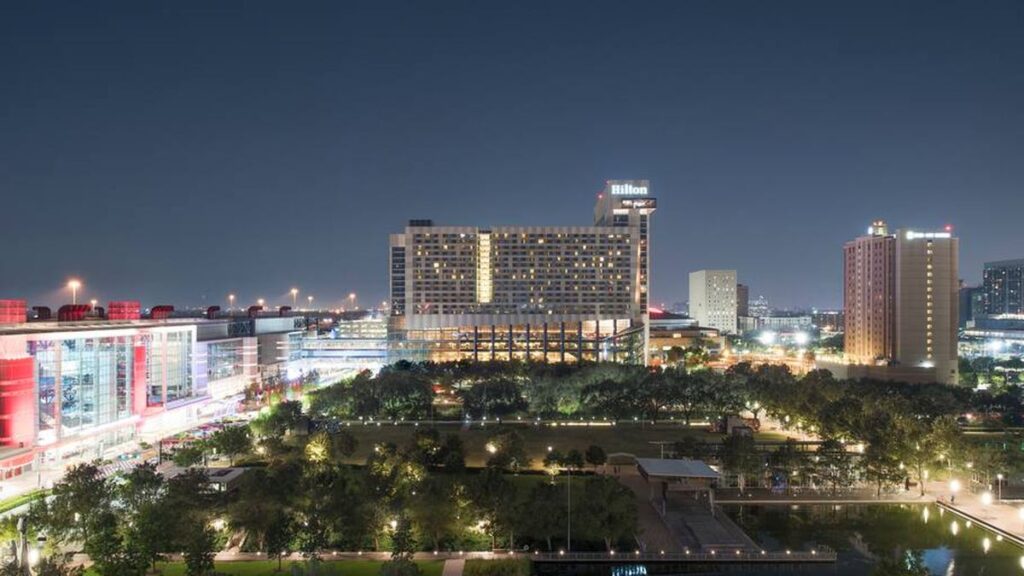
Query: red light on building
124, 310
161, 312
12, 311
73, 312
17, 401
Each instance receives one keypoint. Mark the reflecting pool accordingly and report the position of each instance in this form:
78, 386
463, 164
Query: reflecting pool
862, 535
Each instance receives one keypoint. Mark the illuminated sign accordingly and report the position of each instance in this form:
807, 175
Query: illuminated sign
911, 235
638, 203
628, 187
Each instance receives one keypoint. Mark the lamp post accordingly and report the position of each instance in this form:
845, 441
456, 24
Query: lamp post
295, 295
260, 301
999, 486
74, 284
352, 300
231, 301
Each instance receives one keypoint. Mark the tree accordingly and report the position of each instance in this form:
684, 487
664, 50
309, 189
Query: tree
110, 551
278, 535
881, 464
495, 499
573, 460
739, 456
607, 511
544, 515
495, 397
595, 455
403, 545
508, 451
834, 464
78, 502
189, 455
232, 441
434, 509
200, 547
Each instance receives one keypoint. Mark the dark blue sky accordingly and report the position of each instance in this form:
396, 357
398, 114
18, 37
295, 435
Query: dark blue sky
177, 151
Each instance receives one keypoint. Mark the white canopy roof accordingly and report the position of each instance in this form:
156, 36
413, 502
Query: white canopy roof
665, 468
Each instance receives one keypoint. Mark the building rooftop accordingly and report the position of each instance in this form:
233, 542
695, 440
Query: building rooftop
665, 468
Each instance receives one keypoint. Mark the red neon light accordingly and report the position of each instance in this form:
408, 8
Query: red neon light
17, 401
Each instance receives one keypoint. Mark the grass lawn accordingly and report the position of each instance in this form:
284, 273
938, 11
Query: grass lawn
15, 501
327, 567
630, 438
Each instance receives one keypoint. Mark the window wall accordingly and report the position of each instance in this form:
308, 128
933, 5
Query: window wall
83, 383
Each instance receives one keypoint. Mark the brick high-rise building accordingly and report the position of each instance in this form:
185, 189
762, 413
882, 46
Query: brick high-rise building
901, 300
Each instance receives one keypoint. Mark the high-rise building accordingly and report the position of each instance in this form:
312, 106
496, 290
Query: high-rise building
713, 299
1003, 287
742, 300
552, 293
972, 304
759, 307
901, 298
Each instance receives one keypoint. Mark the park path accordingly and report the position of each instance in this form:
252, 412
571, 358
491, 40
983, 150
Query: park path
1001, 516
453, 567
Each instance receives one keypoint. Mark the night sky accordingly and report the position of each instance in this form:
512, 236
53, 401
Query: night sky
177, 151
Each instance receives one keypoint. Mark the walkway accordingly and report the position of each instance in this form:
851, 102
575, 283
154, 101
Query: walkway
453, 567
1001, 517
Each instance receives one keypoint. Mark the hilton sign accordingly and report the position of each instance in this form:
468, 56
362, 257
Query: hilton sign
628, 189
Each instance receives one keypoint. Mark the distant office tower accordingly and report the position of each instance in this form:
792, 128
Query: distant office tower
972, 304
553, 293
713, 299
901, 298
759, 307
1003, 287
742, 300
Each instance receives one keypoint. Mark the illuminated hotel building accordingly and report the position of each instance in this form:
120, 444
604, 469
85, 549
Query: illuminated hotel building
86, 387
901, 304
713, 299
552, 293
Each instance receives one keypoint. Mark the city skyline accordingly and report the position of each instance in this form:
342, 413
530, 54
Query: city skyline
277, 149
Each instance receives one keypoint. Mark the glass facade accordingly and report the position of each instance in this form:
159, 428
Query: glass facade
224, 360
82, 382
87, 381
168, 367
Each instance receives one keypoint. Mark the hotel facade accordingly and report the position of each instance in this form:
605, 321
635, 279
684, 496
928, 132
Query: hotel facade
540, 293
902, 305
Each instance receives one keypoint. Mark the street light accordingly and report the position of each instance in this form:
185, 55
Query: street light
260, 301
94, 302
999, 485
231, 301
295, 295
352, 300
74, 284
310, 300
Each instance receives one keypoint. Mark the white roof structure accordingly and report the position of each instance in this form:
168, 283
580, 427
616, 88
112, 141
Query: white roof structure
665, 468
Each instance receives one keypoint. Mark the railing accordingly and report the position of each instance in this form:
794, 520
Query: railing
820, 554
